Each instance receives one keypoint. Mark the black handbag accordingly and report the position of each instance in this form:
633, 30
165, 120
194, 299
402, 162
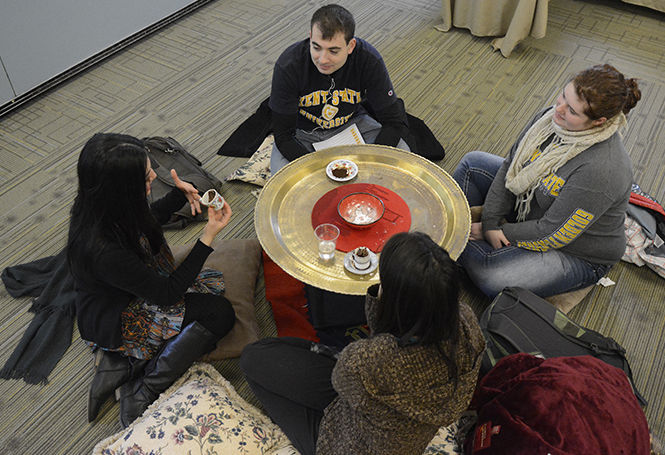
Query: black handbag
518, 320
166, 153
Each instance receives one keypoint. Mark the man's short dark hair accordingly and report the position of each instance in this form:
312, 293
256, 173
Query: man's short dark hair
333, 19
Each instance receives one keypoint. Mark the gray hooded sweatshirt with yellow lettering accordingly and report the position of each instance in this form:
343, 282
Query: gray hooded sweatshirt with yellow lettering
579, 209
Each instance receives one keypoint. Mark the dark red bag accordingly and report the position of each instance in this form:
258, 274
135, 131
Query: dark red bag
557, 406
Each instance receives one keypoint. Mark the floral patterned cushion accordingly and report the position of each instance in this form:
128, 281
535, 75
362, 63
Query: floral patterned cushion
257, 169
450, 440
200, 413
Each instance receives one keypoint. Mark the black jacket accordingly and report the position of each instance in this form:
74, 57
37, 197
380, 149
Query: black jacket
122, 276
247, 138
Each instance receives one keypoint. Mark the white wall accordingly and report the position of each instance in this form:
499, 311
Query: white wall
40, 39
6, 92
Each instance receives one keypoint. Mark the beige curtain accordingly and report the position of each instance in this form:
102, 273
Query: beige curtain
658, 5
510, 20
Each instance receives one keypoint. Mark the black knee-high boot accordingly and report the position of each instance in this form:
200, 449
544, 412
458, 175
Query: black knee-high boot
111, 371
174, 359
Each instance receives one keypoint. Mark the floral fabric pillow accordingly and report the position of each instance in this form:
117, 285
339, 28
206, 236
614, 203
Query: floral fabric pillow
257, 169
200, 413
450, 440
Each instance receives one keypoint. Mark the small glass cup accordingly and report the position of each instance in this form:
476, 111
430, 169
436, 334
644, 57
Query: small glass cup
327, 235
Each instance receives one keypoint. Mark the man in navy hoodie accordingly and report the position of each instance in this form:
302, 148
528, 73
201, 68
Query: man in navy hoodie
318, 84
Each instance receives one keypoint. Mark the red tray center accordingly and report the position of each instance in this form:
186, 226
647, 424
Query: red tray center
397, 217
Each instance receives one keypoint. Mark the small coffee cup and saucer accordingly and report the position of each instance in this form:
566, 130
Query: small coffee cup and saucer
361, 261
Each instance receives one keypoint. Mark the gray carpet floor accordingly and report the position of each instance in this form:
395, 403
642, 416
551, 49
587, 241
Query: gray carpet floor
200, 77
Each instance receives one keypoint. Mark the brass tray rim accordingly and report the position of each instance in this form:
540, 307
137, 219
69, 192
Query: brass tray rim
352, 287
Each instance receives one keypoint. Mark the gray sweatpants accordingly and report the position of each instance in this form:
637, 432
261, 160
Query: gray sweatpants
368, 127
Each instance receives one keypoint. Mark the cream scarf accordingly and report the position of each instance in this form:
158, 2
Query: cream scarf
523, 180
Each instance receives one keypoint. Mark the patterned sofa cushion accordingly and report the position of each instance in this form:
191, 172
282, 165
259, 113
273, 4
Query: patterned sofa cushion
199, 413
257, 169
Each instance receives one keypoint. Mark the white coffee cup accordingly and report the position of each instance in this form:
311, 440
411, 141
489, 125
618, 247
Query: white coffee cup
361, 258
213, 199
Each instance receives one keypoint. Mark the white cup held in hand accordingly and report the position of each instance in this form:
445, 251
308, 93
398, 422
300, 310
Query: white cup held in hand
213, 199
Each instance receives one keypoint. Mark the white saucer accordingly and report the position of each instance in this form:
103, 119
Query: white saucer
350, 165
350, 266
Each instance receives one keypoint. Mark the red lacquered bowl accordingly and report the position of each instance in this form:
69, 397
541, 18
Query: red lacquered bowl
360, 210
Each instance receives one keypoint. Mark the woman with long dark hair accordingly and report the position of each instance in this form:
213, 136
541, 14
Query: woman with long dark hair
553, 211
391, 392
147, 319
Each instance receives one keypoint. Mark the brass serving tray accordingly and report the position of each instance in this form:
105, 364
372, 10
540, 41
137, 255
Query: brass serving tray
282, 217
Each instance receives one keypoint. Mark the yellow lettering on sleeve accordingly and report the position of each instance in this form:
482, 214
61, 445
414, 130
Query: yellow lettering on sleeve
568, 232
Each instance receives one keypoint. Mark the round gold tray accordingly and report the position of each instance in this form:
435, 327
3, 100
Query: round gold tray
283, 222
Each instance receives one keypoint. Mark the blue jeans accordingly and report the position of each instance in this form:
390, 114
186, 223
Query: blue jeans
544, 273
368, 127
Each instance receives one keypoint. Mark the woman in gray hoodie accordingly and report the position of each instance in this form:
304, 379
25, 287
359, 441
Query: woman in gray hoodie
553, 210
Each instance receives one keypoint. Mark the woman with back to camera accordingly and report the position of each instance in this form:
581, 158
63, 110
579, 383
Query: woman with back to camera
553, 210
387, 394
148, 319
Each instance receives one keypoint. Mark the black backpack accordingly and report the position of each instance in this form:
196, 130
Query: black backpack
166, 153
520, 321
